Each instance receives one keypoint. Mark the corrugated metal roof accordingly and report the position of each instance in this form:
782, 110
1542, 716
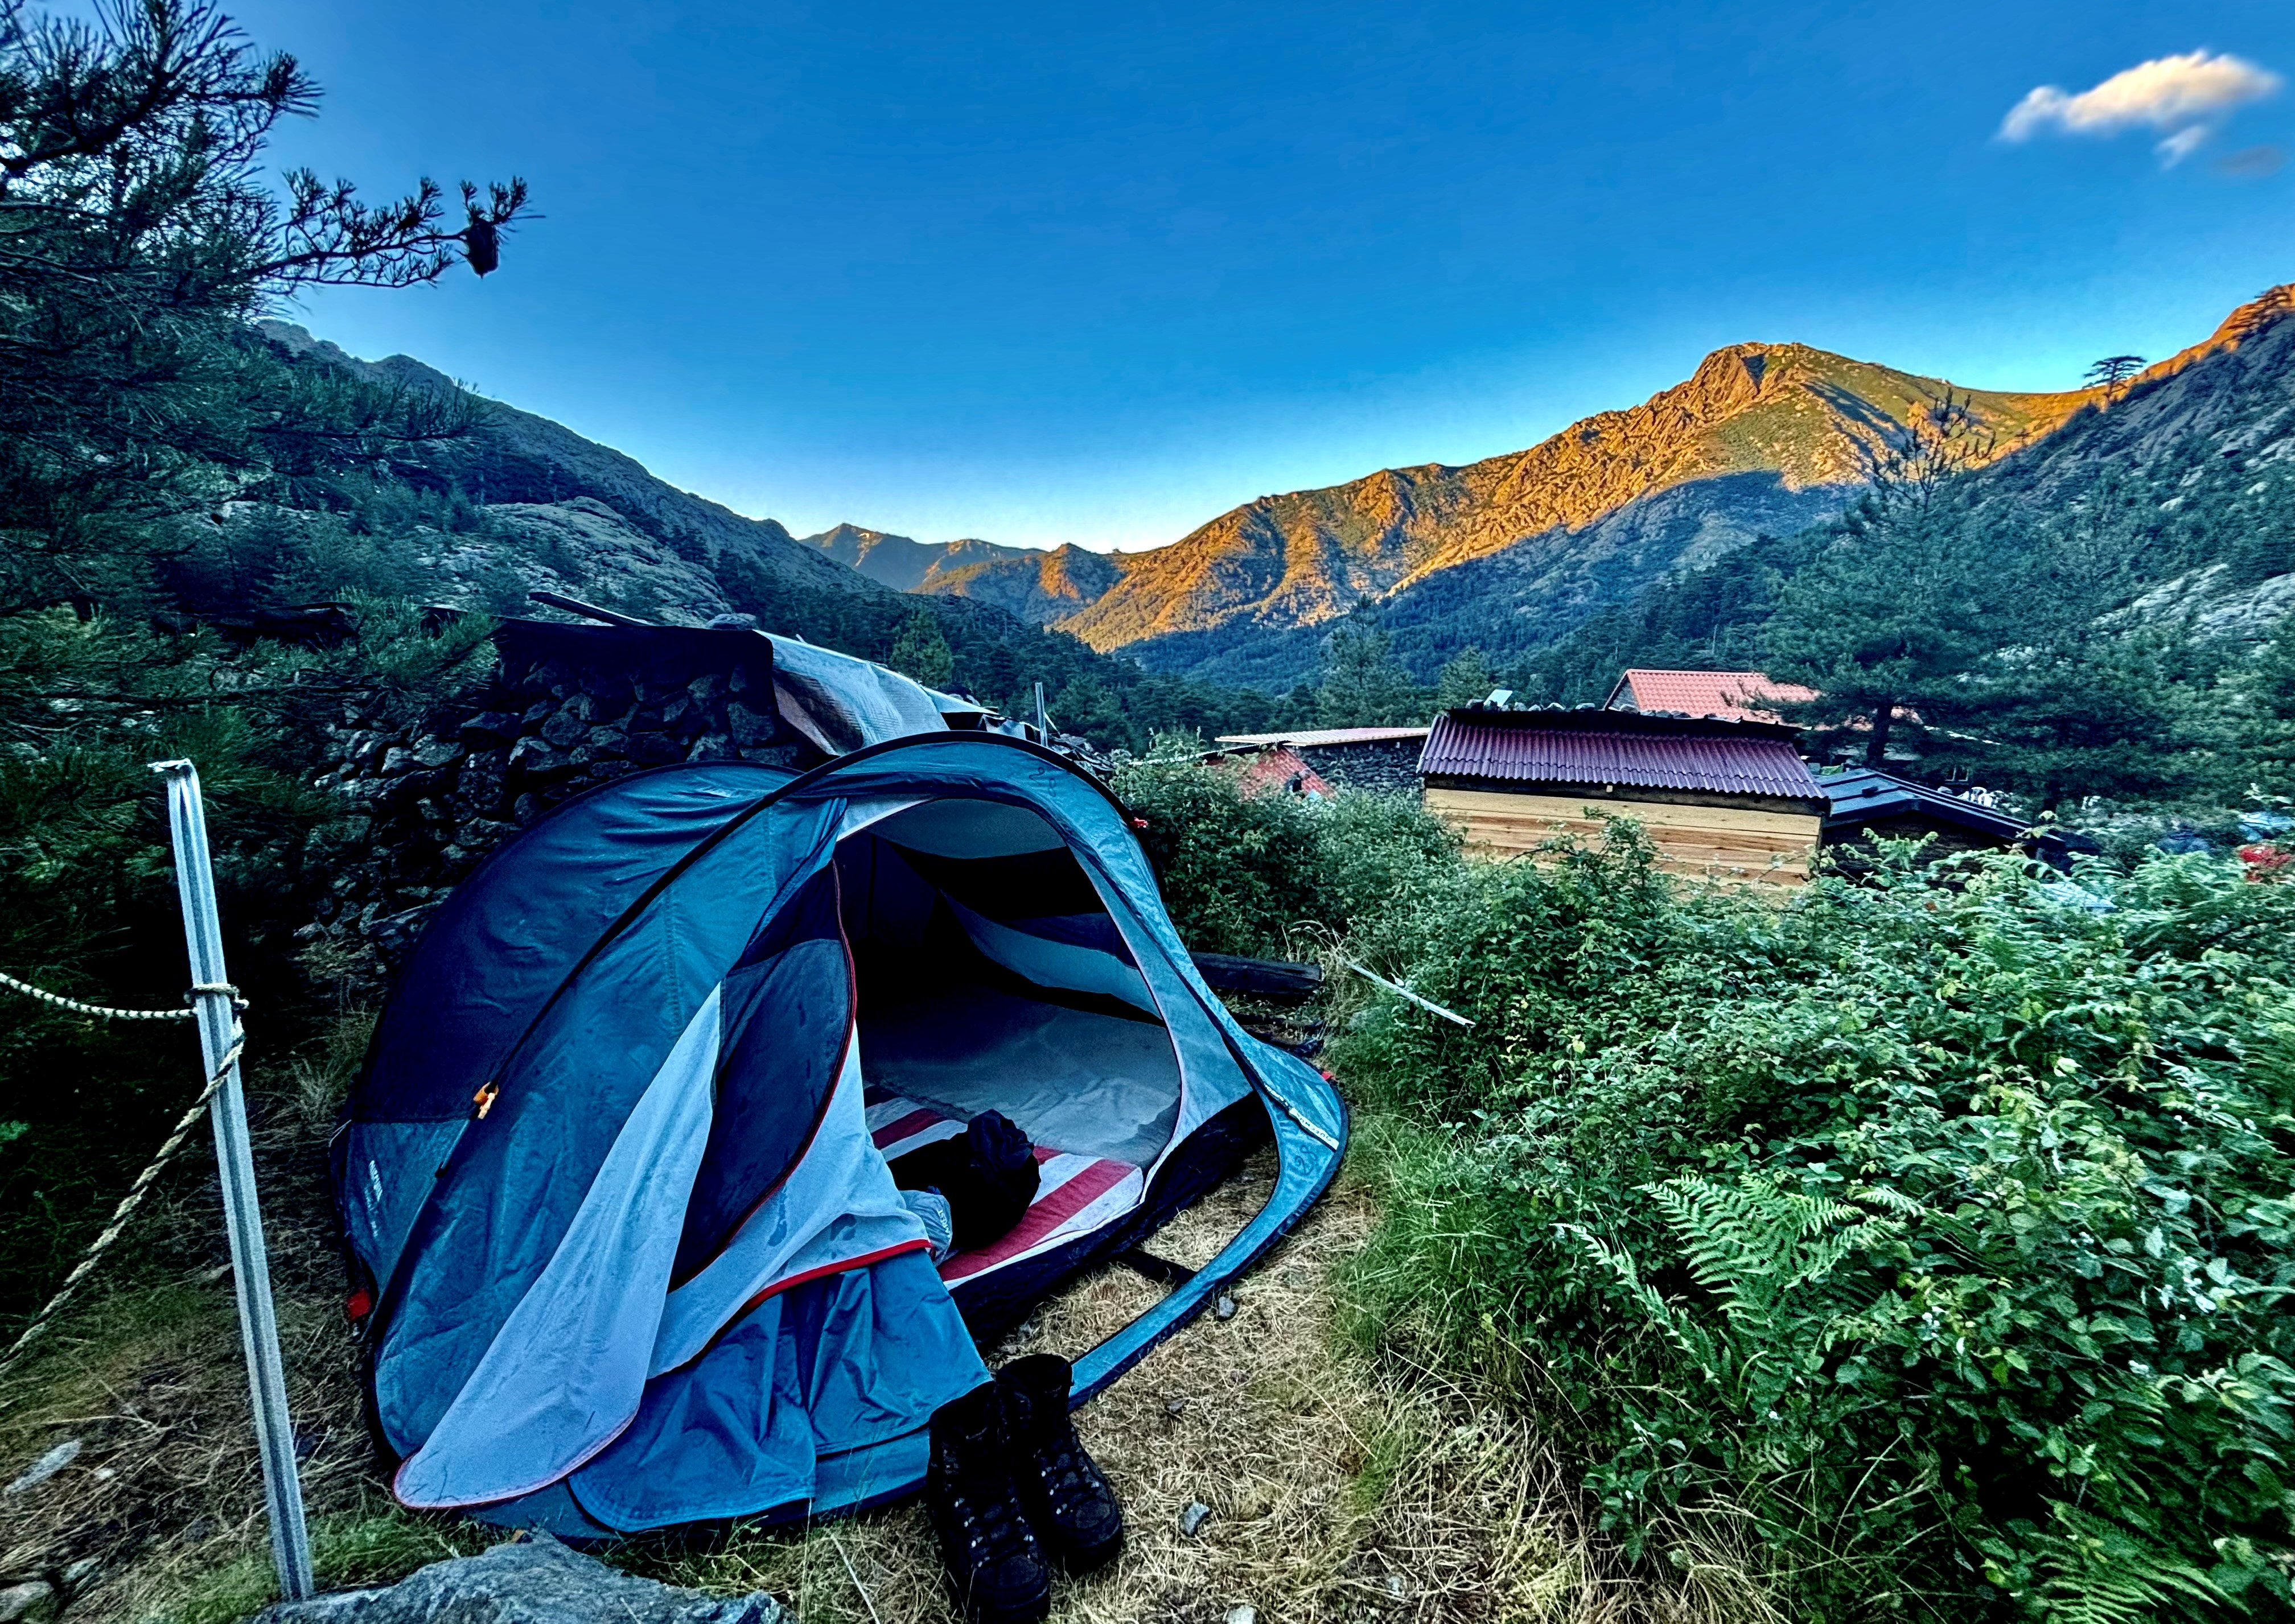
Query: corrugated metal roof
1733, 695
1326, 736
1865, 795
1527, 748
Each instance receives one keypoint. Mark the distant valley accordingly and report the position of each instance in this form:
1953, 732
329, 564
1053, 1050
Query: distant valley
1525, 555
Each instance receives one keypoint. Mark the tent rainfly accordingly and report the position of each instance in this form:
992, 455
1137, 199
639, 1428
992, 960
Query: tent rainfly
617, 1164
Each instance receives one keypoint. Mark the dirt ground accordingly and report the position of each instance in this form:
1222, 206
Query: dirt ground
1336, 1488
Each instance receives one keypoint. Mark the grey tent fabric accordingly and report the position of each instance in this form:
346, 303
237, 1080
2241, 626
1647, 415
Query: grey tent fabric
1092, 1084
844, 703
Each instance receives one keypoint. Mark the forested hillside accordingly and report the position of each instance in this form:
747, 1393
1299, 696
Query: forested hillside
2104, 613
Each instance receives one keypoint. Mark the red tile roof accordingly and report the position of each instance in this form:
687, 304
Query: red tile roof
1731, 694
1277, 769
1326, 736
1588, 747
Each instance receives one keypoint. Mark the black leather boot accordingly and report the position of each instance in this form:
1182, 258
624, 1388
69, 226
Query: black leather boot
994, 1560
1075, 1511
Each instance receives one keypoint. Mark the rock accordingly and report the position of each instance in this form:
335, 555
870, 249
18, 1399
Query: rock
41, 1470
489, 728
610, 697
1242, 1612
1192, 1520
527, 1581
1175, 1406
1223, 1308
750, 727
18, 1600
435, 753
654, 750
79, 1572
530, 755
565, 729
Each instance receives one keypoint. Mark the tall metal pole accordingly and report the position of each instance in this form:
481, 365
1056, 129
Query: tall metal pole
250, 1267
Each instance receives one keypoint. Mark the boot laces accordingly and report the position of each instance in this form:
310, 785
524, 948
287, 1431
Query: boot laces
995, 1523
1063, 1466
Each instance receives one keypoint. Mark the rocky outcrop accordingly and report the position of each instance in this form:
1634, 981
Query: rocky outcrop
580, 547
528, 1580
2214, 606
514, 457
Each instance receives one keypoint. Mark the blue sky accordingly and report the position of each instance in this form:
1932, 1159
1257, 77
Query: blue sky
1096, 273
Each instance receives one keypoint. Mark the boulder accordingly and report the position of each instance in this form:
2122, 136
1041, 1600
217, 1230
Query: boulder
532, 1581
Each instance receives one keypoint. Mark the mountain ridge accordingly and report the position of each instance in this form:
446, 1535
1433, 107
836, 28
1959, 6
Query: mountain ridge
1759, 437
1040, 586
512, 457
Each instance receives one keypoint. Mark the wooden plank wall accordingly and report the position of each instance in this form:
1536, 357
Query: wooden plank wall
1732, 843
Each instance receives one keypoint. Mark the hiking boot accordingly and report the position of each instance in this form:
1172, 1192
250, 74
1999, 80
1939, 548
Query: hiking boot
1075, 1511
994, 1560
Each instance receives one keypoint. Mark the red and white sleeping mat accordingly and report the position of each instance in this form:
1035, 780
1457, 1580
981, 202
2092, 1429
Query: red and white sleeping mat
1074, 1194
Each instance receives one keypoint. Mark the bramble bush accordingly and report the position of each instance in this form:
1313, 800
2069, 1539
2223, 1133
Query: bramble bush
1938, 1222
1265, 874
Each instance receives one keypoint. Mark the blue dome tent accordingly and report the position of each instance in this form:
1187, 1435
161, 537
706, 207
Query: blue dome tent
617, 1160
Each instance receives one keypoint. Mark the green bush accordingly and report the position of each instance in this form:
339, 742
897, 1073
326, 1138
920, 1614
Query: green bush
1939, 1223
87, 896
1264, 874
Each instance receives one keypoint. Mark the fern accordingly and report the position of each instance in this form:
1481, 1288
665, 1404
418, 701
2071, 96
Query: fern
2092, 1571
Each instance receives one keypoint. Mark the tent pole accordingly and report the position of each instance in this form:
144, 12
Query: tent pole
250, 1269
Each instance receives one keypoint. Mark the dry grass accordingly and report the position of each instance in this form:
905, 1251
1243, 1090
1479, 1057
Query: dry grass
164, 1501
1338, 1488
1337, 1491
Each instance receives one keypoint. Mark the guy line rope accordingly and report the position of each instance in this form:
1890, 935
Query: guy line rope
136, 1191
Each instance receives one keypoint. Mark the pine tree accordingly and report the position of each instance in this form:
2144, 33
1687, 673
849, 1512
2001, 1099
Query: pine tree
1899, 602
1465, 679
1882, 621
2110, 372
1363, 685
138, 235
921, 650
2094, 709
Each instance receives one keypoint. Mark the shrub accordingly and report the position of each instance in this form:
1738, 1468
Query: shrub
1940, 1222
1248, 874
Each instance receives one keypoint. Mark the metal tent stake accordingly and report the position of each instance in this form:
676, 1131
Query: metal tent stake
250, 1267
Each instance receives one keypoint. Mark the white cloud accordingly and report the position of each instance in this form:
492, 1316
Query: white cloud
2185, 97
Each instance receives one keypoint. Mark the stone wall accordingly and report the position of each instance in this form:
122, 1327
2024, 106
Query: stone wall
566, 707
1390, 766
